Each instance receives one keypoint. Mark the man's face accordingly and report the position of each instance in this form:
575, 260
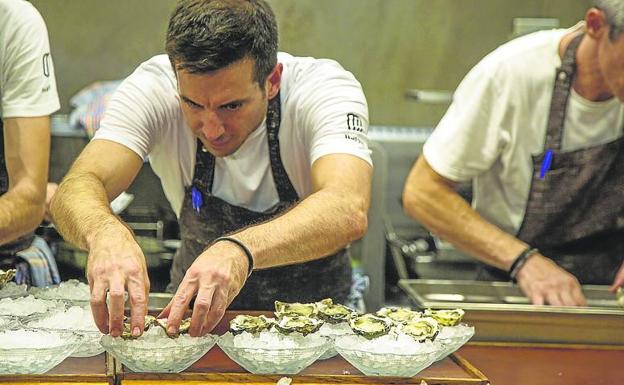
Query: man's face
223, 107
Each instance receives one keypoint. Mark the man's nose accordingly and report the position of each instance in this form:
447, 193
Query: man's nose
212, 127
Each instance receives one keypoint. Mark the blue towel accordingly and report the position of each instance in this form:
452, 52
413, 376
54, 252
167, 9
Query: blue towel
41, 263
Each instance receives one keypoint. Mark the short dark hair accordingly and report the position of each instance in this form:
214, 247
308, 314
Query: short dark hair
614, 12
207, 35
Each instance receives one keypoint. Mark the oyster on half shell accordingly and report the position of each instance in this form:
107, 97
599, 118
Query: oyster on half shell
300, 324
334, 313
421, 329
6, 276
370, 326
446, 317
250, 324
398, 314
295, 309
126, 333
185, 325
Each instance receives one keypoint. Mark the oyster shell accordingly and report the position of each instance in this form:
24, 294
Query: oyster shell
370, 326
398, 314
251, 324
6, 276
295, 309
300, 324
446, 317
126, 333
334, 313
421, 329
185, 325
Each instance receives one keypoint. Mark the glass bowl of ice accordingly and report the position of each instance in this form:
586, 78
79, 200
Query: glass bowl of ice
452, 338
28, 308
333, 331
9, 323
155, 351
72, 292
389, 355
31, 351
13, 290
79, 320
270, 352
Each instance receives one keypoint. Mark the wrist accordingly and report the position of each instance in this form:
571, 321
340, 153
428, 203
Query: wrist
241, 246
520, 261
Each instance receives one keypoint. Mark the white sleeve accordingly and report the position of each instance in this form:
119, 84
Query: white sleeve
332, 108
470, 136
138, 111
27, 83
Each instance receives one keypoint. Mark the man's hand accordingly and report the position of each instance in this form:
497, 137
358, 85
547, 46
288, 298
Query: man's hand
116, 262
50, 191
216, 277
619, 279
544, 282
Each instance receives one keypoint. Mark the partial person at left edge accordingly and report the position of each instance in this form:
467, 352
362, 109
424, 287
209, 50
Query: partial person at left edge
27, 98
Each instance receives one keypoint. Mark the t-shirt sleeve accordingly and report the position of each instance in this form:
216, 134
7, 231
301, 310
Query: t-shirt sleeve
470, 136
332, 108
138, 111
28, 86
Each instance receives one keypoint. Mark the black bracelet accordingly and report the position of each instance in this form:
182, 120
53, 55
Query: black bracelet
520, 261
243, 247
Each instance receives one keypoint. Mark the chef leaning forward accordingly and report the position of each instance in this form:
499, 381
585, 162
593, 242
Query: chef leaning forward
263, 156
27, 97
537, 127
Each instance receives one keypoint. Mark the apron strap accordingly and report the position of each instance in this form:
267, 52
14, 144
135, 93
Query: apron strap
564, 76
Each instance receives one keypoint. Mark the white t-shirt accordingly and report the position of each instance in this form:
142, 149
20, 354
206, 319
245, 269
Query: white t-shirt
319, 101
498, 119
27, 84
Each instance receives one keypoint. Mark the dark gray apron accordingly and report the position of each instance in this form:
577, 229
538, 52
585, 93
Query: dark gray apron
305, 282
575, 214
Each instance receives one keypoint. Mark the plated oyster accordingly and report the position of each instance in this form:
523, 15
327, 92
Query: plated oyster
126, 333
300, 324
446, 317
185, 326
398, 314
421, 329
295, 309
6, 276
334, 313
250, 324
370, 326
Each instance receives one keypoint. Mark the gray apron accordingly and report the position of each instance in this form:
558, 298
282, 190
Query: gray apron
305, 282
575, 213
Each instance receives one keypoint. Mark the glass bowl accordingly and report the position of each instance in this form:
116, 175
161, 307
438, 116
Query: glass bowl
72, 292
9, 323
402, 357
78, 320
273, 353
28, 308
452, 338
154, 351
31, 351
333, 331
13, 290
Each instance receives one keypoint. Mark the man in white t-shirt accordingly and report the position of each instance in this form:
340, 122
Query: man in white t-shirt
27, 97
537, 127
263, 156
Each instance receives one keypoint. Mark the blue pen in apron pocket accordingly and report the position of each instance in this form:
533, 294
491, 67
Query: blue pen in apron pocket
546, 163
196, 199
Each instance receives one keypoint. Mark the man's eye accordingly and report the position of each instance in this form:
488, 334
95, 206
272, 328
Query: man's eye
191, 104
232, 106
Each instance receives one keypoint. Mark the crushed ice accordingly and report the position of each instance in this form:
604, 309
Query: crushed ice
275, 340
71, 290
19, 339
74, 318
25, 306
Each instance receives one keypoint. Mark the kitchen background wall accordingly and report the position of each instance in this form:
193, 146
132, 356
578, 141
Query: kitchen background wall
390, 45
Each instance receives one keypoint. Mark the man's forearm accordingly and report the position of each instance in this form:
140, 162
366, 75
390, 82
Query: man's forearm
20, 213
81, 210
318, 226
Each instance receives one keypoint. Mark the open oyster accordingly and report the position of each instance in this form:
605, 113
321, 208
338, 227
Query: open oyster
446, 317
421, 329
295, 309
250, 324
334, 313
370, 326
300, 324
6, 276
398, 314
185, 325
126, 333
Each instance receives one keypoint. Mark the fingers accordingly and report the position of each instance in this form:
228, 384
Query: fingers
619, 280
138, 292
165, 312
179, 304
98, 304
116, 301
220, 302
201, 309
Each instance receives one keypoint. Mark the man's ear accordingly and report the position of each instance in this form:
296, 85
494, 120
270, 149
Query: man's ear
274, 80
596, 24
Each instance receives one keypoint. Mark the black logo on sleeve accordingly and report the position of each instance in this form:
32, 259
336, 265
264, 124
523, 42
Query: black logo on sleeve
46, 64
354, 123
